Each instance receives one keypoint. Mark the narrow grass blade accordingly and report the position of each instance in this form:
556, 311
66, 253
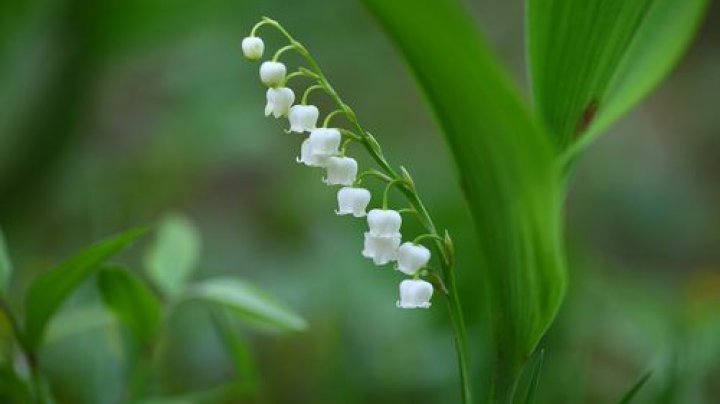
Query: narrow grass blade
5, 266
627, 398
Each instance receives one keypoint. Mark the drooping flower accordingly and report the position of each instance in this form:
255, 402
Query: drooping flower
341, 171
412, 257
279, 101
352, 201
253, 47
317, 149
384, 222
272, 74
381, 249
415, 294
303, 118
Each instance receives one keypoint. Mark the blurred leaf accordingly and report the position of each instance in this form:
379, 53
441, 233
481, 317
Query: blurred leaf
219, 394
506, 167
627, 398
49, 290
70, 323
592, 60
132, 302
5, 266
174, 255
236, 348
248, 302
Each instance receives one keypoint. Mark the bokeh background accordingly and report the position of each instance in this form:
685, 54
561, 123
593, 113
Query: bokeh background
113, 114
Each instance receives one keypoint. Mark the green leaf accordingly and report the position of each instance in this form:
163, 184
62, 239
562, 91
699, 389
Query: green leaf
236, 348
5, 266
534, 377
132, 302
248, 302
627, 398
174, 255
506, 166
50, 290
593, 60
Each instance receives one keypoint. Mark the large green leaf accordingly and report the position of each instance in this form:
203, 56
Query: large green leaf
174, 256
49, 290
248, 302
592, 60
506, 167
132, 301
5, 266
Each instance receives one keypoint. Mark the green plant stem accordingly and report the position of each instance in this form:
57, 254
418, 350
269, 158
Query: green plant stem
407, 187
36, 384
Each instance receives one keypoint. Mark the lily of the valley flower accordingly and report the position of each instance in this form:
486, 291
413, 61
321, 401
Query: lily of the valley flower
383, 238
352, 201
303, 118
317, 149
279, 101
272, 74
384, 222
341, 171
381, 249
253, 47
412, 257
415, 294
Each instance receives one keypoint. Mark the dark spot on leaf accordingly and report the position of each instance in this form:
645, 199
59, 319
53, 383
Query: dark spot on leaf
587, 117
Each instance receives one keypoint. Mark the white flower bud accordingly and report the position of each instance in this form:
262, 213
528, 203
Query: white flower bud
381, 249
384, 222
341, 171
352, 201
415, 294
411, 257
303, 118
272, 74
322, 144
279, 101
253, 47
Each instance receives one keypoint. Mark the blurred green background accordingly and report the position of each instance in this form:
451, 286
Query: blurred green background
115, 113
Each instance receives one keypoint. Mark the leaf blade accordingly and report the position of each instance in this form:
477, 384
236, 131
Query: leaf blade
132, 302
506, 167
248, 302
591, 61
174, 255
50, 290
5, 266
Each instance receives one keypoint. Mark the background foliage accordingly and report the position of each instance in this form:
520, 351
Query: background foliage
113, 115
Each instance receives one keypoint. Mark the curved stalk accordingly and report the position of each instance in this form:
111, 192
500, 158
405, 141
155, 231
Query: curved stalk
442, 244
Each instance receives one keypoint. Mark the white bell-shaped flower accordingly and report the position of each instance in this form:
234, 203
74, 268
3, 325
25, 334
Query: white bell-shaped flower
352, 201
415, 294
322, 144
279, 101
381, 249
272, 74
303, 118
341, 171
412, 257
384, 222
253, 47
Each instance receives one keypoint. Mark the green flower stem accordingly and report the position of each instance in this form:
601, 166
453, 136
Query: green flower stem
441, 244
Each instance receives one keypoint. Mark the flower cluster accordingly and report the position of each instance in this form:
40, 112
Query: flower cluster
325, 147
